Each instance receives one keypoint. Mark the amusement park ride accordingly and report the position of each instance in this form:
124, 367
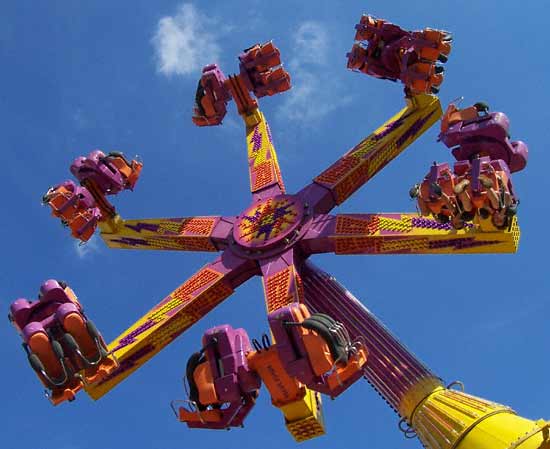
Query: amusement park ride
322, 339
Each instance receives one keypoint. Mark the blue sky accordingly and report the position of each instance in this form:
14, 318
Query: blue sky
83, 75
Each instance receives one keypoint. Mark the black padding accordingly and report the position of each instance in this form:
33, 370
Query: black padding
325, 316
256, 345
92, 330
36, 363
481, 106
94, 333
194, 361
199, 94
58, 350
39, 367
266, 342
322, 323
120, 155
323, 319
71, 342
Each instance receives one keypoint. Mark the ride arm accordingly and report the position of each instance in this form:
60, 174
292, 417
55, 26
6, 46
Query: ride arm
83, 207
263, 166
173, 315
404, 233
302, 408
281, 279
337, 183
208, 234
260, 74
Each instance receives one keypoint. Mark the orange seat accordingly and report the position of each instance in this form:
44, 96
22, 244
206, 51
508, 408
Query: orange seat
283, 388
58, 202
40, 345
454, 115
83, 225
342, 374
318, 353
130, 171
205, 383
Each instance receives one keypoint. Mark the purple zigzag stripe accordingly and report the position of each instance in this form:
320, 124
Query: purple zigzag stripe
462, 243
253, 218
256, 139
426, 223
390, 127
131, 241
129, 362
147, 226
413, 130
131, 337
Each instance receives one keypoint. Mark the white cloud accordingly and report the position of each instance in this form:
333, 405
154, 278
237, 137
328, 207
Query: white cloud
86, 249
315, 91
311, 43
183, 44
312, 97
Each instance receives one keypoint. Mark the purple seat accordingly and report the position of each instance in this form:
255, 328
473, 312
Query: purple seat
226, 350
439, 174
52, 295
96, 167
236, 386
211, 97
486, 135
63, 347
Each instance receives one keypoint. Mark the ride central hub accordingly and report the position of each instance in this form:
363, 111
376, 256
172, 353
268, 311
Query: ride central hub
268, 223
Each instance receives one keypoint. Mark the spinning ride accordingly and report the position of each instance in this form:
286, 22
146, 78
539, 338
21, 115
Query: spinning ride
322, 338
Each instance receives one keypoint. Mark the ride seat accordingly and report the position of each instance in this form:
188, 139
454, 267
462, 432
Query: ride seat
316, 350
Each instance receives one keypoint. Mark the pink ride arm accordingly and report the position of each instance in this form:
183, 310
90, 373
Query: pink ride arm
174, 314
282, 283
282, 287
403, 233
208, 234
367, 158
263, 166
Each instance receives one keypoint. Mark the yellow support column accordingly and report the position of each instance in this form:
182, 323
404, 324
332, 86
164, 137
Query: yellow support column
450, 419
